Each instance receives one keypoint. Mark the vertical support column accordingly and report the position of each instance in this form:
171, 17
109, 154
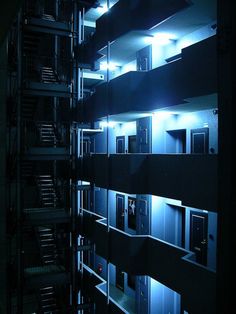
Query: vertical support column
107, 201
18, 172
74, 153
3, 243
226, 262
55, 99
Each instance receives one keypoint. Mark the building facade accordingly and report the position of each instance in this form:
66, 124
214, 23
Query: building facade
114, 190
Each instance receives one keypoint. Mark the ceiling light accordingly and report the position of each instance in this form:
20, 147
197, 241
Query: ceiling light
102, 9
163, 114
105, 124
163, 39
108, 66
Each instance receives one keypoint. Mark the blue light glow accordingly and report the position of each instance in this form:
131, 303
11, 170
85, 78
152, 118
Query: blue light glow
108, 66
105, 124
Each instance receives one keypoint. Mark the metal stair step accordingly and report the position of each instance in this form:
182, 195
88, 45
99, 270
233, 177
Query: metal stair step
44, 229
50, 262
48, 17
48, 300
51, 306
47, 288
48, 293
41, 180
47, 241
50, 256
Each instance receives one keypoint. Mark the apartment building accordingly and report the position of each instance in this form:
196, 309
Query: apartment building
115, 188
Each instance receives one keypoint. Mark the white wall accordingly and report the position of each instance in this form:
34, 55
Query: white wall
160, 53
200, 119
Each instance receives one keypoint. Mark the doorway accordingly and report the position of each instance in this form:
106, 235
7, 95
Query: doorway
198, 236
132, 213
132, 145
175, 225
176, 141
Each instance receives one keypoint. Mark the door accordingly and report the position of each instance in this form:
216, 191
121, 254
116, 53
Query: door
120, 144
200, 141
132, 145
143, 214
119, 279
120, 212
198, 236
132, 213
144, 135
142, 296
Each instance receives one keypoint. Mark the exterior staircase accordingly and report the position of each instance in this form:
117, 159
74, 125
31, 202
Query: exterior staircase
31, 42
48, 17
48, 304
27, 169
47, 191
47, 244
47, 134
29, 104
48, 75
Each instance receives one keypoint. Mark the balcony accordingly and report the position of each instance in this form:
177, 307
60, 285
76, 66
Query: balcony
141, 15
37, 216
169, 85
190, 178
45, 76
47, 24
166, 263
38, 277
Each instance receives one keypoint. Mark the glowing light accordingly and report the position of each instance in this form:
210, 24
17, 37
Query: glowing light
148, 40
105, 124
129, 67
102, 9
163, 114
160, 39
108, 66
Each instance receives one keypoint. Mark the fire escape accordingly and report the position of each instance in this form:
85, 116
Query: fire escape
42, 151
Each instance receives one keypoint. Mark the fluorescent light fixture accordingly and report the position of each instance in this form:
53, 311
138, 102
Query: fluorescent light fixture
105, 124
102, 9
108, 66
129, 67
85, 183
160, 39
148, 39
163, 114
